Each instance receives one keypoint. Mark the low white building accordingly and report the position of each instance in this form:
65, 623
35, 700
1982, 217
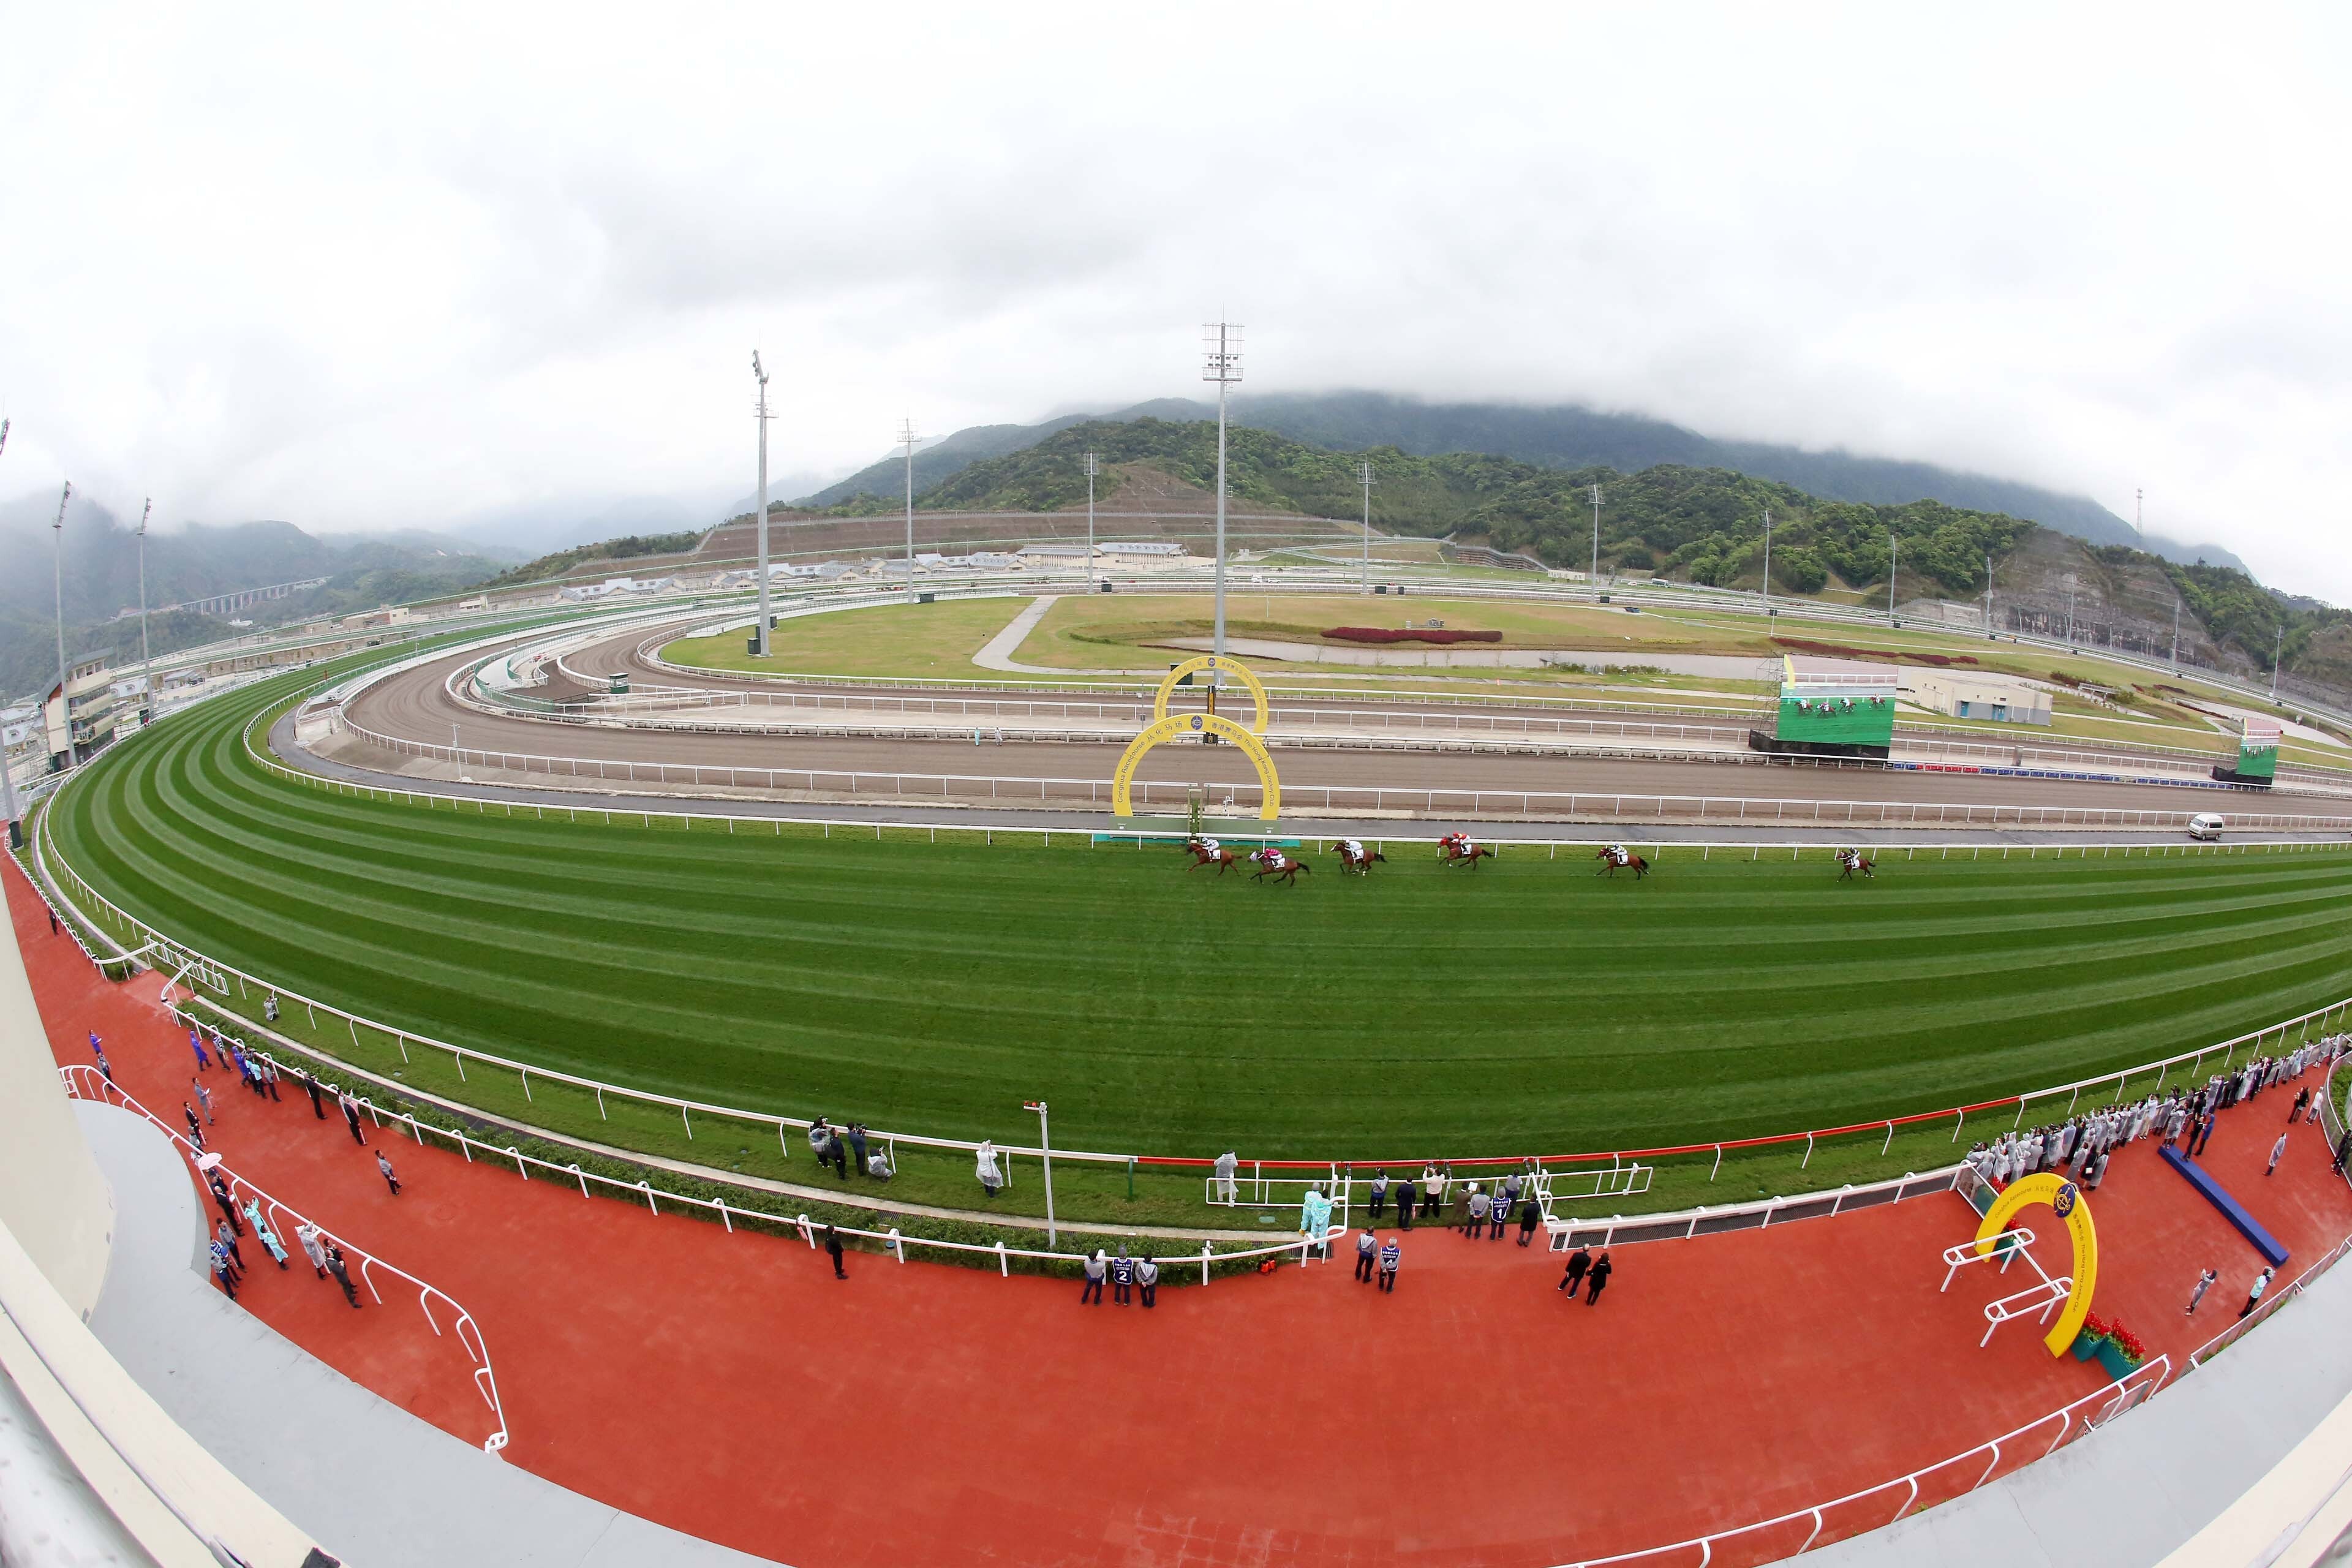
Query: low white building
1983, 698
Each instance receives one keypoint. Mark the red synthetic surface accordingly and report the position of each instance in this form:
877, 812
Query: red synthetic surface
728, 1386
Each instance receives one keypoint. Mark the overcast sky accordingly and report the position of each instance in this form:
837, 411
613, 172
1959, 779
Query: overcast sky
421, 267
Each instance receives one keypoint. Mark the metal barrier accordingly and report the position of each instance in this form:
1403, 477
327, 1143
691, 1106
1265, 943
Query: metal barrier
85, 1082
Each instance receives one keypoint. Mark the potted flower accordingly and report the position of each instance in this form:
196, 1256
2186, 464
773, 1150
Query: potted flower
2120, 1352
2089, 1337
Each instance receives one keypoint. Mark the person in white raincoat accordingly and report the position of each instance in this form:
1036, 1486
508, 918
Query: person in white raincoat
1315, 1216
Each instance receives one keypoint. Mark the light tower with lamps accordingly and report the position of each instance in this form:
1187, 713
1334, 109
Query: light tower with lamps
8, 764
1596, 543
1090, 466
907, 438
146, 654
760, 643
1221, 362
1893, 558
64, 704
1369, 483
1767, 563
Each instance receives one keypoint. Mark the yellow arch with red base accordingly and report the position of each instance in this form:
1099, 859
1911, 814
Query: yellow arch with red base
2064, 1199
1224, 666
1173, 727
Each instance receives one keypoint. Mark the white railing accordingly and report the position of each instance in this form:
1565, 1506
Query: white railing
85, 1082
2084, 1415
2271, 1302
1645, 806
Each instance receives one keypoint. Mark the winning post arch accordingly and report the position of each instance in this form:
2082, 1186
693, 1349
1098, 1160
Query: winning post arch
1224, 666
2064, 1199
1122, 786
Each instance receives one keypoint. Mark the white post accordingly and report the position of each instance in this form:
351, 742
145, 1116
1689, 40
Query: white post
761, 643
1046, 1147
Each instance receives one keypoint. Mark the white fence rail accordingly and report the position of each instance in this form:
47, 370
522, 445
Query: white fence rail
85, 1082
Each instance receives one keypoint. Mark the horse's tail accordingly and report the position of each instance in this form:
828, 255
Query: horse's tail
1376, 855
1303, 866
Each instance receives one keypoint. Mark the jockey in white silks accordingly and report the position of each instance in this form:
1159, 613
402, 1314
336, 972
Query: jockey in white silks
1208, 846
1354, 847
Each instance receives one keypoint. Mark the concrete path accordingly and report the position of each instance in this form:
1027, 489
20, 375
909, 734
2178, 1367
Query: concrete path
998, 654
377, 1485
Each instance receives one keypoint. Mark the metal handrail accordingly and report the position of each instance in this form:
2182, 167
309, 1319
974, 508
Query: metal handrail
85, 1082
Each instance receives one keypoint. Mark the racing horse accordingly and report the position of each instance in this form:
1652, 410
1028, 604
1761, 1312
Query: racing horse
1450, 855
1202, 856
1616, 858
1279, 866
1361, 865
1850, 861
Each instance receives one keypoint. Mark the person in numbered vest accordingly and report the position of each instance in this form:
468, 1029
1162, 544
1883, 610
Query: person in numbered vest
1392, 1254
1122, 1277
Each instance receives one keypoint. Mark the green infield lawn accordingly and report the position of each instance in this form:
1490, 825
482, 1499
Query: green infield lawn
1528, 1005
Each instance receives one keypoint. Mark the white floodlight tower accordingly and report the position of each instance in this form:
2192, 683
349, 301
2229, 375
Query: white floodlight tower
1767, 563
1221, 362
760, 643
1090, 466
2278, 641
1596, 543
1893, 557
907, 437
7, 766
65, 705
146, 653
1988, 598
1369, 483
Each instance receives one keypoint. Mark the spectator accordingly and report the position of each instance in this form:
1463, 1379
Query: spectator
2205, 1278
269, 1007
1228, 1191
2302, 1103
53, 923
226, 1233
1405, 1194
839, 1156
313, 1248
196, 1044
878, 1165
204, 1098
342, 1273
105, 1068
1147, 1280
1497, 1216
1380, 1194
269, 1078
1598, 1281
1392, 1254
1315, 1219
95, 1048
1528, 1214
1479, 1205
990, 1179
2205, 1132
2342, 1151
262, 1232
857, 1145
2278, 1152
1096, 1268
1580, 1263
1368, 1247
1434, 1183
820, 1133
222, 1197
221, 1270
311, 1082
384, 1165
833, 1250
2095, 1170
2254, 1296
351, 1106
195, 1129
1122, 1277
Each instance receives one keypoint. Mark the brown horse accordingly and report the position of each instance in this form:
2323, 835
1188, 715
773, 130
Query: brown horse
1282, 868
1633, 862
1361, 865
1448, 855
1221, 860
1850, 863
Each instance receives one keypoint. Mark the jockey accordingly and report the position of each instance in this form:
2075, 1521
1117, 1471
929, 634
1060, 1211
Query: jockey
1208, 846
1353, 848
1462, 845
1617, 853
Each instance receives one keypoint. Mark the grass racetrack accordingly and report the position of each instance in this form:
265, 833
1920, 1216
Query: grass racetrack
1526, 1006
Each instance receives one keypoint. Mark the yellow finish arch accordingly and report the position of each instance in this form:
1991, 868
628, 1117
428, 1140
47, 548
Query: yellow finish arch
2066, 1200
1167, 729
1223, 665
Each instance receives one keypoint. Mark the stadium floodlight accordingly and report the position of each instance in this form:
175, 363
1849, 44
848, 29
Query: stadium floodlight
65, 705
907, 435
1596, 543
2278, 641
1221, 362
146, 654
1045, 1148
760, 413
1894, 559
1090, 466
1767, 563
1369, 483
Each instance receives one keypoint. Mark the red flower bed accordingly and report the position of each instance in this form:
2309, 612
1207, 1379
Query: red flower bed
1840, 650
1388, 633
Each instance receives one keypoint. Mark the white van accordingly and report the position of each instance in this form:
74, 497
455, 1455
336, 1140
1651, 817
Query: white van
2205, 825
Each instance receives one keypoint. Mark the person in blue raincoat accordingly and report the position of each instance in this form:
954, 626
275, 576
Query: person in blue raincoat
1315, 1216
262, 1232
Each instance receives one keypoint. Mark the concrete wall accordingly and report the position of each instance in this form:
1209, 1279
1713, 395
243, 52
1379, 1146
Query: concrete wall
51, 1194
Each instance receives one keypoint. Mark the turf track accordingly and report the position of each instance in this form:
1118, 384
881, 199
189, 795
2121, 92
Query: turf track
1527, 1005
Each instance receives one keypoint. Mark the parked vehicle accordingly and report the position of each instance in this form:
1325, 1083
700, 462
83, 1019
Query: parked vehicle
2205, 825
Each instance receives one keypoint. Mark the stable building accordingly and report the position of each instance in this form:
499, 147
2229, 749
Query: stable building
80, 716
1983, 698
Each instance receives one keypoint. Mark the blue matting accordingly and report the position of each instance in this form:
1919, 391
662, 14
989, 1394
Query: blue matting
2232, 1209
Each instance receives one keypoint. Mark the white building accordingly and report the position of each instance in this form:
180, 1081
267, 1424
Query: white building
1979, 697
